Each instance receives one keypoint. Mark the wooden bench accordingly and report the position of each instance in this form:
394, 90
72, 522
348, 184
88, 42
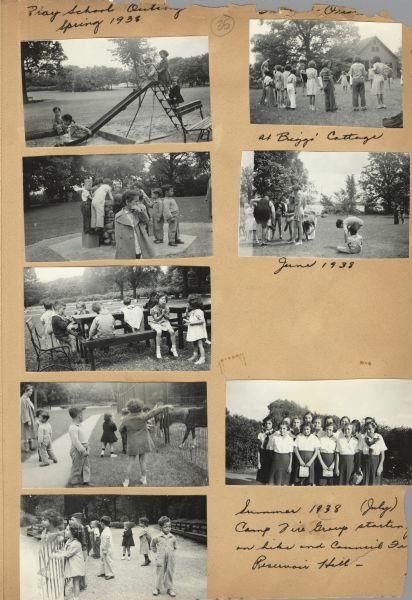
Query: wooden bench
89, 346
204, 126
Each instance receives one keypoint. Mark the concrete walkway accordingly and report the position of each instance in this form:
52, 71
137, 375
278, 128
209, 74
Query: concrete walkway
55, 475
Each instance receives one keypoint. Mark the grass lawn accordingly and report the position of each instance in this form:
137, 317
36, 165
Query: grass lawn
166, 467
87, 107
344, 116
122, 358
43, 223
381, 239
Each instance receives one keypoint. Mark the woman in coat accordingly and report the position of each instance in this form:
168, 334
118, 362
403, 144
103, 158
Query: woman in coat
130, 229
28, 419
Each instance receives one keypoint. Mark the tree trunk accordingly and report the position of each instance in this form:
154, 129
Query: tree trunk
23, 79
185, 279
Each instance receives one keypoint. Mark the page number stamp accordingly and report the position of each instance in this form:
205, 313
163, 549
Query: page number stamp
222, 25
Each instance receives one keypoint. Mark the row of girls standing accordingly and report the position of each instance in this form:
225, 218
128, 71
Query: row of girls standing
313, 453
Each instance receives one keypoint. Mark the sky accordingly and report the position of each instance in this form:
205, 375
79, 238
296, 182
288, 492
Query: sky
91, 52
389, 33
327, 170
52, 273
389, 401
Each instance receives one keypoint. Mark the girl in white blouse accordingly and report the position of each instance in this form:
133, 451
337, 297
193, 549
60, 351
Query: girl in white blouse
342, 424
372, 448
281, 446
306, 451
346, 449
327, 457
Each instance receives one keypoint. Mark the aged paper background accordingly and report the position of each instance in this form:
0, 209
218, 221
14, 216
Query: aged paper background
333, 324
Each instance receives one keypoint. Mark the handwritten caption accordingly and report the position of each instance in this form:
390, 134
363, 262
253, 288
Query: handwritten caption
300, 141
93, 19
328, 10
334, 264
223, 362
337, 536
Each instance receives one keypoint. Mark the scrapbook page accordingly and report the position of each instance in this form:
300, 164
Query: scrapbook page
207, 390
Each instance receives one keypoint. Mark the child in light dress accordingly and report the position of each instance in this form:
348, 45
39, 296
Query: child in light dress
268, 97
312, 85
159, 321
46, 320
378, 80
291, 89
344, 81
196, 328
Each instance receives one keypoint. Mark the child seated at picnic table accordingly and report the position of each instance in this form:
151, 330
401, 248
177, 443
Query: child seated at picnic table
63, 327
103, 324
159, 322
133, 315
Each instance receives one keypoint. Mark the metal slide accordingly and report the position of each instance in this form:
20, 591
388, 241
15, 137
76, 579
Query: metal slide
122, 105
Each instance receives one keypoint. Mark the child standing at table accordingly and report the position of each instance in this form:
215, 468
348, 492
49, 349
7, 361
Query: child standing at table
44, 439
372, 448
79, 451
171, 214
346, 449
164, 546
133, 315
127, 540
196, 328
306, 451
145, 540
281, 446
109, 436
159, 321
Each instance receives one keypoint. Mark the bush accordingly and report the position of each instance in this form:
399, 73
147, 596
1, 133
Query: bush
26, 520
241, 442
116, 524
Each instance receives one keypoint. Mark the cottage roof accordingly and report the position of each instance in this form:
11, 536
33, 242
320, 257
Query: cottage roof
363, 44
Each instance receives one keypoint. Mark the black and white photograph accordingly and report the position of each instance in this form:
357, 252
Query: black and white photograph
101, 547
311, 72
116, 91
319, 433
113, 434
117, 318
345, 205
122, 206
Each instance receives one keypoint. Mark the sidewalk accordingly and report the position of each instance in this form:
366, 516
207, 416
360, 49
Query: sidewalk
56, 475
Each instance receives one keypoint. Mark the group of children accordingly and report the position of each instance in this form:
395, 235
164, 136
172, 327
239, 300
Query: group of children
262, 217
279, 85
96, 539
313, 452
135, 212
63, 329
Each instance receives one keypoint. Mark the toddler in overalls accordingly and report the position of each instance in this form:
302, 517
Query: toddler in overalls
164, 548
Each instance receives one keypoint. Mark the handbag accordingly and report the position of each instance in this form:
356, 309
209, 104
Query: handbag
327, 473
303, 472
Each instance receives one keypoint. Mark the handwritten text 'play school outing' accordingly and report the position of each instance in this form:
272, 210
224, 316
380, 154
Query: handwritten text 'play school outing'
93, 18
267, 535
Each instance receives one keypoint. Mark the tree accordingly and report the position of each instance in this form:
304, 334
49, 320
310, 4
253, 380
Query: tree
33, 288
246, 183
348, 195
40, 58
131, 52
327, 202
275, 173
188, 172
385, 181
314, 40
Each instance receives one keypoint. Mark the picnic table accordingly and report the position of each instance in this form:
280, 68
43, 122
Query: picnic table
84, 322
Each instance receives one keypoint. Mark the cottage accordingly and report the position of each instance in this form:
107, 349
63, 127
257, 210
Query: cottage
373, 46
